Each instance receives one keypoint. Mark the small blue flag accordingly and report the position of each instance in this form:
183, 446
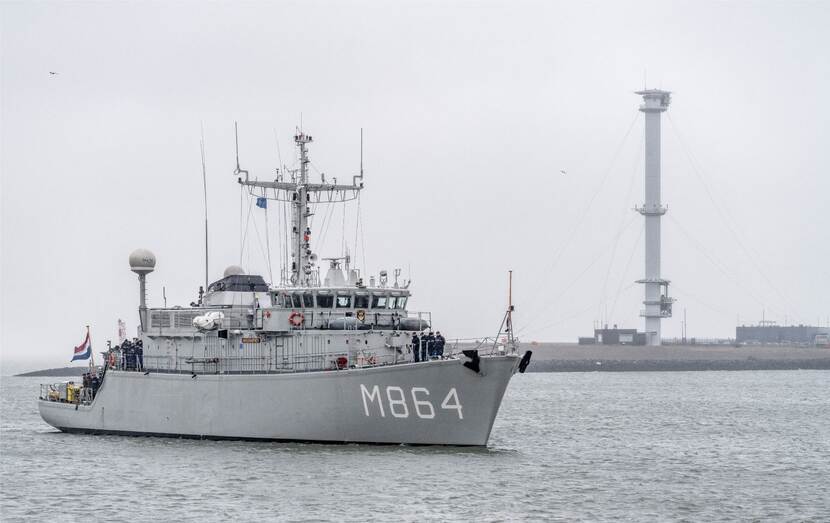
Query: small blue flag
262, 202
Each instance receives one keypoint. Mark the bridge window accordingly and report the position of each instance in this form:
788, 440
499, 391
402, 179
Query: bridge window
378, 302
361, 302
308, 298
344, 302
325, 302
298, 301
402, 302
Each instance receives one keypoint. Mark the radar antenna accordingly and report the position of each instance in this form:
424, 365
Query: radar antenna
301, 194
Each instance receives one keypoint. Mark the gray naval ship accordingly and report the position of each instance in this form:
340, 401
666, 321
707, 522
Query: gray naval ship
305, 360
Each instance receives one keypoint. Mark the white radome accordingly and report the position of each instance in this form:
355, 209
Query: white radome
234, 270
142, 261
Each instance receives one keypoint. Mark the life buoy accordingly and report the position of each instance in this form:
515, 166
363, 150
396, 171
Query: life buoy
296, 318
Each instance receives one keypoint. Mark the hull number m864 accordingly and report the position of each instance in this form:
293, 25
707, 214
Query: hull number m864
396, 402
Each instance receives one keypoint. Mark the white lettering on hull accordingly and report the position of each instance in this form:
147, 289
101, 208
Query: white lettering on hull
399, 407
375, 394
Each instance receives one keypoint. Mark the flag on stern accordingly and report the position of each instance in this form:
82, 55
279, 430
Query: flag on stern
262, 202
84, 350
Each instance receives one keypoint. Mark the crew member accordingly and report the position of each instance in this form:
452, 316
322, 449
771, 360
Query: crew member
139, 354
129, 354
94, 383
416, 346
439, 345
424, 347
431, 345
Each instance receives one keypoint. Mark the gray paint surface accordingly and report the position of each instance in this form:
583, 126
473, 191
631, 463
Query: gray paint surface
376, 405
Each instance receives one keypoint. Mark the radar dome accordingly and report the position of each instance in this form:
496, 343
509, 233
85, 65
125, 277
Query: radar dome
234, 270
142, 261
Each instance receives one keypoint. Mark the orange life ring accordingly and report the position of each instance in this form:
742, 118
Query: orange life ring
296, 319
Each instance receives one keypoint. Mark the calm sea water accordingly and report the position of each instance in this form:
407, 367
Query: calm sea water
582, 446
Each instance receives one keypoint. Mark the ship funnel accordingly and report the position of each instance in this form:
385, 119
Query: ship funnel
142, 262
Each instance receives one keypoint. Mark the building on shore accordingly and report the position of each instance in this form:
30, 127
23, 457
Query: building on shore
782, 334
615, 336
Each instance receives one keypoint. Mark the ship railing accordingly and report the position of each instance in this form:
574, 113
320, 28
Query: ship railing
66, 392
373, 319
486, 346
276, 362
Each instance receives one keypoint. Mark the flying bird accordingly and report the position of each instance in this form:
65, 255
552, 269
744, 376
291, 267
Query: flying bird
562, 171
52, 73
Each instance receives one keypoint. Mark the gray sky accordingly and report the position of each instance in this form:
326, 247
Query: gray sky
470, 111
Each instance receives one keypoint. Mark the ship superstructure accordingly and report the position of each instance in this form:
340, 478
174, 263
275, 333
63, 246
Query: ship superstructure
314, 359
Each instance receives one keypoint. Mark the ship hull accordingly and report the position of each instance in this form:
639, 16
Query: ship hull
431, 403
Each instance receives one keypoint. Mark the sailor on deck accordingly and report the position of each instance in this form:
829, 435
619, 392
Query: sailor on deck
139, 354
431, 345
439, 345
416, 346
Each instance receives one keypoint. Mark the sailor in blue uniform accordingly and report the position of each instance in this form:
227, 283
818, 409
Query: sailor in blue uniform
439, 345
416, 347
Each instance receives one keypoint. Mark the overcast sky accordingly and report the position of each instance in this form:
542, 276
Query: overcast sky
470, 111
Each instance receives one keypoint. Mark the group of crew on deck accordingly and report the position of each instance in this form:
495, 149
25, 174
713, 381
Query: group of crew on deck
128, 356
428, 346
92, 381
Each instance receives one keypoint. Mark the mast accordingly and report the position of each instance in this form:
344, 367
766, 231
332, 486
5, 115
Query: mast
300, 234
300, 193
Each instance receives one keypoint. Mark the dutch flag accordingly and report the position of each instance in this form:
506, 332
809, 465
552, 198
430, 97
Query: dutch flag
84, 350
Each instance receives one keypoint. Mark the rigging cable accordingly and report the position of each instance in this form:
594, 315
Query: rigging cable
261, 249
752, 256
267, 240
578, 223
595, 259
363, 241
245, 235
684, 292
343, 244
241, 219
280, 171
603, 298
625, 271
718, 265
325, 225
356, 226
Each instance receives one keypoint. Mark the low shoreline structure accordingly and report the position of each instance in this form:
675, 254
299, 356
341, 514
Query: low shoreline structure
58, 372
567, 357
685, 366
570, 357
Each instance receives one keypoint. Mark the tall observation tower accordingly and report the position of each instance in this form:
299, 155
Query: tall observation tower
657, 301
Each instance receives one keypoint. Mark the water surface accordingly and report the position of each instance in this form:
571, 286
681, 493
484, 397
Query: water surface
650, 446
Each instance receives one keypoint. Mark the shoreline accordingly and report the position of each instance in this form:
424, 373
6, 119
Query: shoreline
571, 357
674, 366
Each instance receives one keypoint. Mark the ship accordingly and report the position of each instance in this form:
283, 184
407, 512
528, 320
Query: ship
327, 359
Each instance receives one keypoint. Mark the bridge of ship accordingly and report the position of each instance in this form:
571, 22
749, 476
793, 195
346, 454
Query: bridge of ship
292, 309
